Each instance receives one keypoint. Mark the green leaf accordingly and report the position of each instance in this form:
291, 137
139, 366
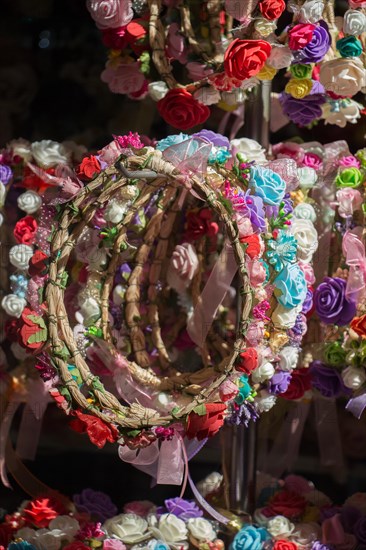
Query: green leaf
37, 320
63, 354
133, 433
40, 336
200, 410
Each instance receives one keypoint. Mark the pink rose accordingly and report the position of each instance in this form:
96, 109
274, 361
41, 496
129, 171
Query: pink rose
139, 507
308, 272
357, 4
257, 273
110, 14
349, 200
228, 390
255, 333
289, 150
110, 153
196, 70
176, 47
113, 544
126, 78
244, 225
312, 161
183, 266
349, 161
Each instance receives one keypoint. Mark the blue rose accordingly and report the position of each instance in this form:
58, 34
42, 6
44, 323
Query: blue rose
219, 154
249, 538
157, 545
291, 284
267, 184
171, 140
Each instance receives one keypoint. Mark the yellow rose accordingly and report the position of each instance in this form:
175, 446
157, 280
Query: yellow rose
299, 87
267, 73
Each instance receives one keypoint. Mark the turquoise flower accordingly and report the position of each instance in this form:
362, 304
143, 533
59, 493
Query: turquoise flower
219, 154
158, 545
291, 286
171, 140
244, 390
267, 184
249, 538
281, 250
23, 545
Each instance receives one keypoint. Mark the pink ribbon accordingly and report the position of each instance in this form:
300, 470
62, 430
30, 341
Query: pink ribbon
354, 252
189, 156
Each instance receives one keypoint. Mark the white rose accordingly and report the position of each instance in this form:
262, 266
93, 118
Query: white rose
307, 177
354, 22
157, 90
29, 202
110, 14
265, 27
353, 377
44, 540
343, 75
115, 211
263, 373
280, 527
280, 57
346, 114
289, 357
201, 529
207, 95
13, 305
250, 148
2, 194
48, 153
210, 484
19, 256
169, 528
305, 534
306, 236
305, 211
265, 401
65, 525
90, 311
130, 528
182, 267
285, 318
21, 148
311, 11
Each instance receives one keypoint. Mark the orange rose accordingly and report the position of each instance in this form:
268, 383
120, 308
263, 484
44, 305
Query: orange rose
358, 324
180, 109
272, 9
253, 247
245, 58
89, 168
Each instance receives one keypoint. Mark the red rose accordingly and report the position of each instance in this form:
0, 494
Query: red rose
76, 546
205, 425
199, 224
284, 545
272, 9
32, 330
358, 324
42, 510
115, 39
299, 384
89, 167
253, 247
300, 35
245, 58
180, 109
135, 34
248, 361
25, 230
285, 503
99, 432
38, 264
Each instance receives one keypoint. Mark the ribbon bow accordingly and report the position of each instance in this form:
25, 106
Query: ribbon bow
354, 252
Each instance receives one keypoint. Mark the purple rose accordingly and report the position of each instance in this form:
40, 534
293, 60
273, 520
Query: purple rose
302, 111
279, 382
359, 530
183, 509
5, 173
256, 211
308, 303
318, 46
349, 517
331, 303
95, 503
327, 380
216, 139
317, 545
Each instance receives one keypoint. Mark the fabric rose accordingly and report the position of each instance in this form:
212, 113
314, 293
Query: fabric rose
249, 538
248, 361
168, 528
280, 57
265, 401
29, 202
358, 325
264, 372
302, 111
207, 424
284, 545
288, 358
201, 529
357, 3
349, 201
349, 177
245, 58
335, 354
283, 317
354, 22
300, 35
353, 377
99, 432
48, 153
305, 211
113, 544
110, 13
89, 168
349, 113
331, 303
280, 527
212, 137
307, 238
349, 46
199, 224
25, 230
343, 76
157, 90
285, 503
307, 176
249, 148
95, 503
311, 11
182, 267
130, 528
183, 509
299, 384
32, 330
181, 110
13, 305
253, 246
40, 511
290, 286
125, 78
5, 173
327, 380
267, 184
279, 382
318, 46
272, 9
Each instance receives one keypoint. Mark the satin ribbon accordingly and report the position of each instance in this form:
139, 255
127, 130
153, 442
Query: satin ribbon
354, 252
189, 156
357, 405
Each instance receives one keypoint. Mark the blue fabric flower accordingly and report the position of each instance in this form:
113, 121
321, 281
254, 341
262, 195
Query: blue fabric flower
171, 140
282, 250
244, 390
23, 545
158, 545
219, 154
291, 284
267, 184
249, 538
